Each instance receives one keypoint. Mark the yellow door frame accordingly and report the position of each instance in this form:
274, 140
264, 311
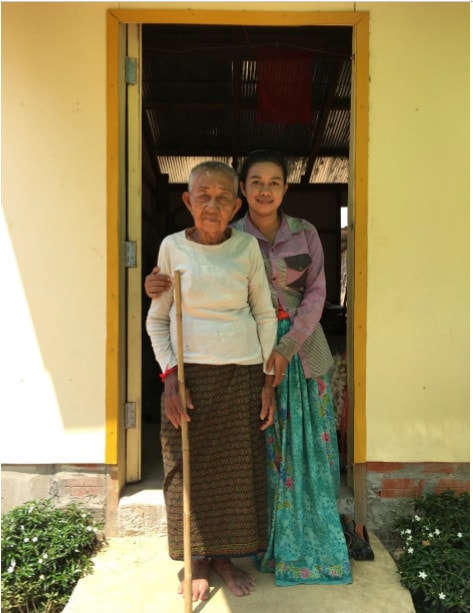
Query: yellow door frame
134, 279
357, 193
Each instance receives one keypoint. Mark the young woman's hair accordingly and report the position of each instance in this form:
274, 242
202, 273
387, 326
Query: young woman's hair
263, 155
211, 166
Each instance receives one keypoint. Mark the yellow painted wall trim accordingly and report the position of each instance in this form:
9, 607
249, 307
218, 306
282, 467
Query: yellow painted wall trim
359, 22
360, 213
112, 368
240, 17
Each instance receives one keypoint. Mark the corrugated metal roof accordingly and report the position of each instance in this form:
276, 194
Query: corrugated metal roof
200, 93
326, 170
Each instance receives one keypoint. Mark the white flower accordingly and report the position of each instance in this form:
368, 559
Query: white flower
13, 563
22, 527
408, 531
42, 577
437, 531
416, 517
89, 528
460, 534
442, 596
25, 540
45, 555
430, 535
410, 550
402, 532
35, 539
409, 538
40, 561
10, 569
422, 575
83, 515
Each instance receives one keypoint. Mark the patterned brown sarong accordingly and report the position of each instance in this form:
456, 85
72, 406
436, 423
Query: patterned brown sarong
227, 464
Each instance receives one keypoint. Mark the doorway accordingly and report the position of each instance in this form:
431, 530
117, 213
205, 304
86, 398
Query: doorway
357, 24
201, 99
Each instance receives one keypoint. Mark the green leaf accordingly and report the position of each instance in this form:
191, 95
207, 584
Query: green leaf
32, 530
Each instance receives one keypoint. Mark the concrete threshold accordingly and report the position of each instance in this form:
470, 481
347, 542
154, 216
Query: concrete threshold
142, 511
134, 574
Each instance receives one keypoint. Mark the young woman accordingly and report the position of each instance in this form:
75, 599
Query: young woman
306, 540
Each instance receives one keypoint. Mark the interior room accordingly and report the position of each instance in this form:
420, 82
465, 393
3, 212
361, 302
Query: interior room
205, 92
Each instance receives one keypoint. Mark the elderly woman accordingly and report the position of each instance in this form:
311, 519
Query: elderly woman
229, 331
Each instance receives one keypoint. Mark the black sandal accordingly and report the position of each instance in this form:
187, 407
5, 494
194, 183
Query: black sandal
357, 539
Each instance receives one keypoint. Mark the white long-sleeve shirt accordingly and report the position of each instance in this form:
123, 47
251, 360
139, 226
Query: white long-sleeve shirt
227, 313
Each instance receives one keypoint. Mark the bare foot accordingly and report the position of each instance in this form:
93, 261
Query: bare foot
239, 582
200, 580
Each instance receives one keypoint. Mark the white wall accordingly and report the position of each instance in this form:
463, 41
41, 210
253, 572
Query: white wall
418, 243
53, 232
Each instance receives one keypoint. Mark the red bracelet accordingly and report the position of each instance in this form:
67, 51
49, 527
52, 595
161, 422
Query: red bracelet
167, 372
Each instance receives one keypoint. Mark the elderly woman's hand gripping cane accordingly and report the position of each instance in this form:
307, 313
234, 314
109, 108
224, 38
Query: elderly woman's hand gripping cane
172, 401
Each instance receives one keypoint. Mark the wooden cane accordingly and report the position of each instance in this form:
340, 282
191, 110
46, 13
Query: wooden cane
185, 451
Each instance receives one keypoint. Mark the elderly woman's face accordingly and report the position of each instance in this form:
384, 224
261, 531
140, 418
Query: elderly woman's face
212, 202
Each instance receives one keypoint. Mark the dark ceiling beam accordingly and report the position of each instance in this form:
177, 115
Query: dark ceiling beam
322, 120
151, 146
223, 151
211, 105
339, 104
225, 53
236, 110
180, 41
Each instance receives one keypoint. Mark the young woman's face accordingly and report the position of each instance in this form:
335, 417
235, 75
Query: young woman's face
264, 188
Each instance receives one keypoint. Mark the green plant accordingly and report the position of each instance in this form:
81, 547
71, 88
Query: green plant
434, 563
45, 551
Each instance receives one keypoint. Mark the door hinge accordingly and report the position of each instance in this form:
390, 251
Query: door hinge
130, 414
131, 66
130, 254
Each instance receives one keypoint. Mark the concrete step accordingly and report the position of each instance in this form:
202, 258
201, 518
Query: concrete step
142, 512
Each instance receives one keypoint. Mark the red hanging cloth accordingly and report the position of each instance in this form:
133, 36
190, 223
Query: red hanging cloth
284, 86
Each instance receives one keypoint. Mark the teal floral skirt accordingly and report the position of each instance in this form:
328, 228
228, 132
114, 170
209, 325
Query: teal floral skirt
306, 543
